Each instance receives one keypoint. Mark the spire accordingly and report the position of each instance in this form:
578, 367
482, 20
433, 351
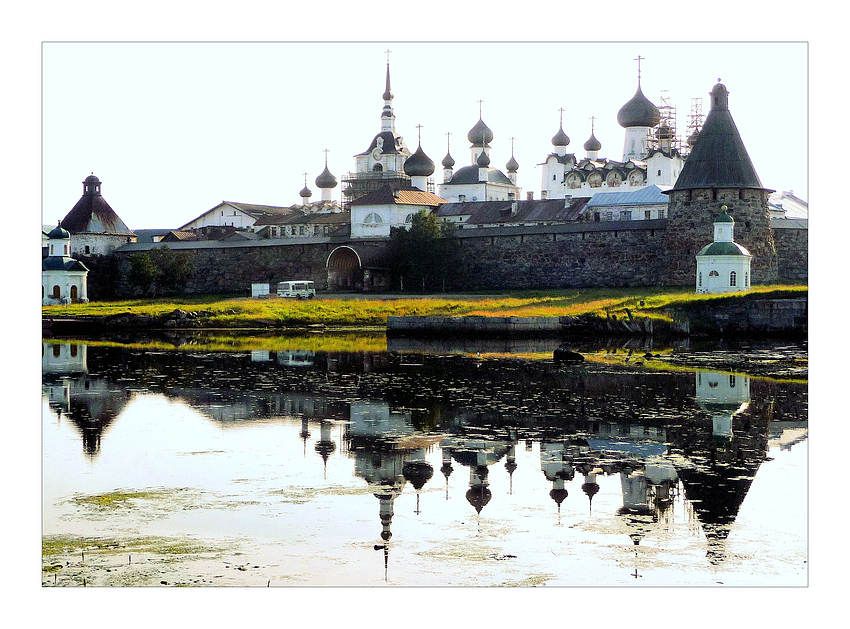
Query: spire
387, 116
448, 160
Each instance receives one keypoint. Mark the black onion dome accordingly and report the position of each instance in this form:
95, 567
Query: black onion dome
664, 133
478, 496
480, 134
560, 138
448, 161
483, 160
91, 179
326, 179
305, 192
638, 112
592, 143
512, 166
419, 164
58, 233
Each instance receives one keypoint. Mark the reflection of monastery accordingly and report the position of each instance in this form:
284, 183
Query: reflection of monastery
706, 456
657, 176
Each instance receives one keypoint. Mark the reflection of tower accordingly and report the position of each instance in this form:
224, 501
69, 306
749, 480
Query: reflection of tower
722, 396
477, 455
636, 509
305, 433
447, 468
511, 466
556, 463
417, 471
325, 445
590, 487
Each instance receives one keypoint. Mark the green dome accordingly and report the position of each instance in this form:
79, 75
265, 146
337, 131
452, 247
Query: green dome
723, 249
724, 217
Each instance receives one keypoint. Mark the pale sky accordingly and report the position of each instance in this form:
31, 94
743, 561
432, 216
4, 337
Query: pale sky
172, 129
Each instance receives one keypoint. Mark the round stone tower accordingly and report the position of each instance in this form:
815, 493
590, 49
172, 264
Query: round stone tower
718, 172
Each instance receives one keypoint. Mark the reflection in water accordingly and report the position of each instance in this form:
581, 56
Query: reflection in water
666, 437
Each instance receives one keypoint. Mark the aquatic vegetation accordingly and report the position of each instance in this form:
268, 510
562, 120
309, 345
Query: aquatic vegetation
119, 499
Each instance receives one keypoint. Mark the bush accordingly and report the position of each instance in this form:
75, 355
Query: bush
160, 271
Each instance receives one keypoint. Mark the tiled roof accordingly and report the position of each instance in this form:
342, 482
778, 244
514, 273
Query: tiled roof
402, 196
179, 235
650, 195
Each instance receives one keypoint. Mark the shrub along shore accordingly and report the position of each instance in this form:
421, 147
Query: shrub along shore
360, 311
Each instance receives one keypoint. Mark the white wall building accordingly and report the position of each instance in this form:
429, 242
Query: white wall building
724, 265
63, 279
376, 213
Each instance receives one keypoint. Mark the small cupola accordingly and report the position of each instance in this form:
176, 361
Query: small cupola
91, 185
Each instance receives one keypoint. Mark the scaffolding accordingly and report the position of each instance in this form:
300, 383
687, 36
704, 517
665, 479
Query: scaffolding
665, 138
695, 121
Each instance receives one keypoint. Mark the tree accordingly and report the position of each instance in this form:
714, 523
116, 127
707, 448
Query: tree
424, 256
160, 271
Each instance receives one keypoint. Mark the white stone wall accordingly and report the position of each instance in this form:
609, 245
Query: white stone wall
391, 216
221, 216
98, 244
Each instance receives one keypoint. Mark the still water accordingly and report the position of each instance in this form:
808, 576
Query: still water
298, 467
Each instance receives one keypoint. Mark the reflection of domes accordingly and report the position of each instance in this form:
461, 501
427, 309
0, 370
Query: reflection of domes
478, 496
419, 164
638, 112
480, 134
558, 495
417, 473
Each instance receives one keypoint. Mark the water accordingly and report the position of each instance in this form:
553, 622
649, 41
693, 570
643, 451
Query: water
300, 467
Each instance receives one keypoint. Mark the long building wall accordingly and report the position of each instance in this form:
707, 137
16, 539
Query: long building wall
630, 253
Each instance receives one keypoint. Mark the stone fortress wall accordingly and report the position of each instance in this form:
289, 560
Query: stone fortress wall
579, 255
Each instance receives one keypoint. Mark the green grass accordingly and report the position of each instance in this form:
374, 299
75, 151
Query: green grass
330, 311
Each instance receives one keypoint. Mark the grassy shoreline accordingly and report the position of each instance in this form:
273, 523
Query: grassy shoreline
354, 311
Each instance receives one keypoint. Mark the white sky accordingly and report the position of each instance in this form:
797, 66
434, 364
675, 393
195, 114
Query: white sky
172, 129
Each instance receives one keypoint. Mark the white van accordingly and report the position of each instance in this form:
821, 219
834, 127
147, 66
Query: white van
300, 289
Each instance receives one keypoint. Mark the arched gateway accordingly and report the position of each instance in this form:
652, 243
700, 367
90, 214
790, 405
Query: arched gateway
360, 267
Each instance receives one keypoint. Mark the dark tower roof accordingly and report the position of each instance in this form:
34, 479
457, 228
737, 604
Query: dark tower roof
718, 158
92, 214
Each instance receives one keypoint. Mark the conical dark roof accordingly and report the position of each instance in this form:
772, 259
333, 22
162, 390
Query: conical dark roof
92, 214
718, 158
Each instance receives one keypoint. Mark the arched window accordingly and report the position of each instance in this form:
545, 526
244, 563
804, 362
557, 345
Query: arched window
408, 219
746, 279
373, 217
51, 249
65, 249
377, 168
56, 350
733, 279
73, 351
73, 293
57, 292
700, 278
713, 274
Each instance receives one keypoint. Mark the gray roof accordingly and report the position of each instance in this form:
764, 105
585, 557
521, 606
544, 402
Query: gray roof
62, 263
469, 174
723, 249
650, 195
537, 211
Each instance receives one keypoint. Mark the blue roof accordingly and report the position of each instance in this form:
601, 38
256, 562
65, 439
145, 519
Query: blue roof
651, 195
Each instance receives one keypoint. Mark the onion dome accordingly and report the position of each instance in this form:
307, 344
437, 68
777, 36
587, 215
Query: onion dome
419, 164
638, 112
560, 138
305, 193
592, 143
480, 134
58, 233
693, 138
448, 161
664, 132
483, 160
512, 166
326, 179
724, 217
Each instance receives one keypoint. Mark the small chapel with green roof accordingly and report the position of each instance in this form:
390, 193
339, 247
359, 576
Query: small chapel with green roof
724, 265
